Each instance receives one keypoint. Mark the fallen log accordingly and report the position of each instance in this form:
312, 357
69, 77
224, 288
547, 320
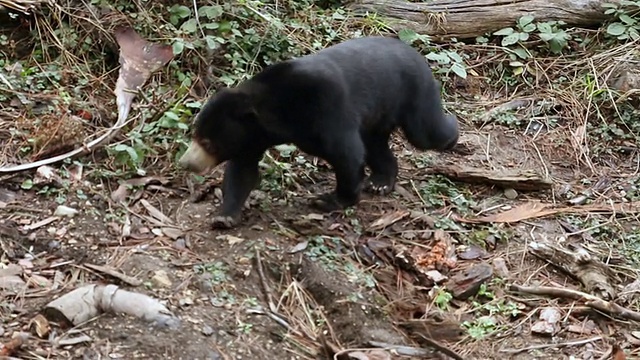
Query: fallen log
464, 19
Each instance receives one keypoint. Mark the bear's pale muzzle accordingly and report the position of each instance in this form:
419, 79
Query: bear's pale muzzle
197, 160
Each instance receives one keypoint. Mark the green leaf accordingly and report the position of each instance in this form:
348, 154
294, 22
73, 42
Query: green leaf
133, 154
546, 36
525, 20
171, 115
524, 36
522, 53
439, 57
211, 12
459, 70
285, 150
529, 28
544, 28
190, 26
180, 10
616, 29
27, 184
407, 35
212, 44
627, 19
454, 56
211, 26
225, 26
556, 46
510, 39
504, 32
178, 47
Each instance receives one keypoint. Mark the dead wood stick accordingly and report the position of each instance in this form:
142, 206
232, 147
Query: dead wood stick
594, 302
578, 263
263, 281
403, 350
526, 180
441, 348
546, 346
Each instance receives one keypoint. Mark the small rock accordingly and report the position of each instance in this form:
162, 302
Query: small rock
157, 232
467, 283
185, 301
217, 192
62, 210
161, 279
40, 281
173, 233
491, 241
409, 235
12, 283
207, 330
216, 302
436, 276
500, 267
472, 252
214, 355
510, 194
180, 244
589, 327
299, 247
232, 240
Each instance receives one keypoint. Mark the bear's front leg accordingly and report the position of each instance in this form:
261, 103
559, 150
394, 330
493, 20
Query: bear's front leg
348, 161
240, 177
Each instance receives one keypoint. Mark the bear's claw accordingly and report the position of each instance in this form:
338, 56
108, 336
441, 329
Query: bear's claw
223, 222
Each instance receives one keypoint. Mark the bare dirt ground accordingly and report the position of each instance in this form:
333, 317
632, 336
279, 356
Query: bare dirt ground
211, 279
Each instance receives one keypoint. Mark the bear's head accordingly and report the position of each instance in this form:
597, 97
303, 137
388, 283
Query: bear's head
224, 128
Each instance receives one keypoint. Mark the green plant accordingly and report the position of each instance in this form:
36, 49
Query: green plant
551, 33
442, 298
446, 60
627, 26
437, 190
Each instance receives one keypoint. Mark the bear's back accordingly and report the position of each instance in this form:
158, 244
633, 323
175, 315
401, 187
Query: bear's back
366, 77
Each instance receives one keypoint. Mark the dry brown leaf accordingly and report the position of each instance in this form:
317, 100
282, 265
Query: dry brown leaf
40, 325
122, 192
536, 209
138, 59
157, 214
388, 219
617, 353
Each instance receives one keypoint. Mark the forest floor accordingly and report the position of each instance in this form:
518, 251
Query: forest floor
388, 274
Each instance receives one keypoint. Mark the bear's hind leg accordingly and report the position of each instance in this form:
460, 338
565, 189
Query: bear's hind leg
347, 158
382, 163
240, 177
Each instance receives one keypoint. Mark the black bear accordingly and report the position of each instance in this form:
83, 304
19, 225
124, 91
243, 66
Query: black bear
340, 104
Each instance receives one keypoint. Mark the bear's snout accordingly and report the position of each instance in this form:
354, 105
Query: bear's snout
197, 160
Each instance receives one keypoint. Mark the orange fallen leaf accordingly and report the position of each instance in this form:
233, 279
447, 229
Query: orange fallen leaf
617, 353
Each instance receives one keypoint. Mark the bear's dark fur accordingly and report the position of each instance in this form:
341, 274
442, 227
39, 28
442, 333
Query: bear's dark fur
340, 104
